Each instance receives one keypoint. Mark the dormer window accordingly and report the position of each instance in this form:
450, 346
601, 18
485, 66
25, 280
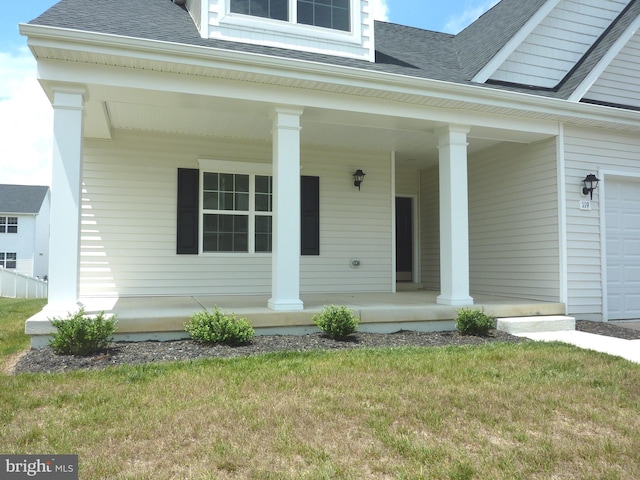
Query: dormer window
325, 13
333, 14
275, 9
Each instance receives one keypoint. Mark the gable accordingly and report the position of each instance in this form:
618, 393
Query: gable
559, 42
619, 83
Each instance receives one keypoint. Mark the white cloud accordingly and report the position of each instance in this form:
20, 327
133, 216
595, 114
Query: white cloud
380, 10
26, 123
471, 13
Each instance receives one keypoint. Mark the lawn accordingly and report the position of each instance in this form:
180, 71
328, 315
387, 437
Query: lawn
13, 313
500, 411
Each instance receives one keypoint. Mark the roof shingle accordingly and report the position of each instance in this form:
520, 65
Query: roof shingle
26, 199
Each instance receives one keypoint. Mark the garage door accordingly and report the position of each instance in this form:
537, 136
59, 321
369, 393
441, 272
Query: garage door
622, 212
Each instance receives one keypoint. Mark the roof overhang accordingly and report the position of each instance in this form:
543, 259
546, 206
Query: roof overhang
117, 62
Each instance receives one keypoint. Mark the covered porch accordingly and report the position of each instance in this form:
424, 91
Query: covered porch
410, 308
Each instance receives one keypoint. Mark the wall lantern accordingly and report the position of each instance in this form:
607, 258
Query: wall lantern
358, 178
590, 184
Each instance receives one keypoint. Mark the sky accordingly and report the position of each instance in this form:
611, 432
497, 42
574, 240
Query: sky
26, 116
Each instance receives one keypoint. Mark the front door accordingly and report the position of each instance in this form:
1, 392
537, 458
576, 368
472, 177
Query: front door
404, 239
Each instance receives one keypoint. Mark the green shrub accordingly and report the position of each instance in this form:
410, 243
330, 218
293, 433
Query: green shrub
474, 322
82, 335
336, 322
216, 327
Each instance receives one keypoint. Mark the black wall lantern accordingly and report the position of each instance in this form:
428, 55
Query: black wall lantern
590, 184
358, 178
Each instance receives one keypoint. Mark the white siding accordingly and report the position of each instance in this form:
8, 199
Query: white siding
620, 82
41, 253
513, 221
354, 224
358, 43
406, 182
22, 243
195, 10
588, 151
558, 42
129, 222
430, 229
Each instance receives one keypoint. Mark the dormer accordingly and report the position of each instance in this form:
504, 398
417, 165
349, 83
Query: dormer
333, 27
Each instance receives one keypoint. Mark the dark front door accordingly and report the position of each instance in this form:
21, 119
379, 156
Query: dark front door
404, 239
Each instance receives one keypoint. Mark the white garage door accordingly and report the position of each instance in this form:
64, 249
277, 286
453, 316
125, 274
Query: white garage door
623, 248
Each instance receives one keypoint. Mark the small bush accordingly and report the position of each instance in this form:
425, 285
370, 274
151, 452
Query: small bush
474, 322
82, 335
216, 327
336, 322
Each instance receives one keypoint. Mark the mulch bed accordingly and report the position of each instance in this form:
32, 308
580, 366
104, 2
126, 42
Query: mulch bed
120, 353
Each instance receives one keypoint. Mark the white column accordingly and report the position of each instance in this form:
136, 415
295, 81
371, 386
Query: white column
454, 217
285, 284
64, 243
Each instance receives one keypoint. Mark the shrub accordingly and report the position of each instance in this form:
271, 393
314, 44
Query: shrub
82, 335
474, 322
336, 322
216, 327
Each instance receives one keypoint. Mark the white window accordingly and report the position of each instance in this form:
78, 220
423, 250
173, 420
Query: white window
8, 260
8, 224
236, 212
276, 9
333, 14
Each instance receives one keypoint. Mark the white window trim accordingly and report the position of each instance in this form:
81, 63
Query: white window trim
292, 28
6, 223
4, 260
242, 168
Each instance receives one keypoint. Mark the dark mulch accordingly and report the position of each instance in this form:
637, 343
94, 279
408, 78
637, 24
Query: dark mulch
44, 360
607, 329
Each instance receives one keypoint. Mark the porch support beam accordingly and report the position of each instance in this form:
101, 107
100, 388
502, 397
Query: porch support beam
454, 217
285, 284
66, 185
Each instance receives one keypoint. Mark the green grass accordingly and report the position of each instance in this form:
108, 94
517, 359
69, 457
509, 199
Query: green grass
499, 411
13, 314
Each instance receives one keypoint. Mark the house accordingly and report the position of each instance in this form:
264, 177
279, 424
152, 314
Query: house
24, 229
209, 147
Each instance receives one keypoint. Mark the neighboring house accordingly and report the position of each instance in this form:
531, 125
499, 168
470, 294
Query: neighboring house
207, 147
24, 229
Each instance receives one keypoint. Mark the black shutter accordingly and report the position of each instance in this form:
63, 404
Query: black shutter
310, 215
188, 198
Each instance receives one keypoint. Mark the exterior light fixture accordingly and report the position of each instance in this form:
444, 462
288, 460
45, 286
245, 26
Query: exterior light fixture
590, 184
358, 178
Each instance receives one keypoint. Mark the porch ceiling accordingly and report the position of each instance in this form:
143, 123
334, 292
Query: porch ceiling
414, 141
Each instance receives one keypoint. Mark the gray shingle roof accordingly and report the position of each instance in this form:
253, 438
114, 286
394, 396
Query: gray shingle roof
399, 49
483, 39
21, 198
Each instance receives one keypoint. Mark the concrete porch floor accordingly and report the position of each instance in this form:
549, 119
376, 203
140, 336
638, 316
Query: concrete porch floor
162, 318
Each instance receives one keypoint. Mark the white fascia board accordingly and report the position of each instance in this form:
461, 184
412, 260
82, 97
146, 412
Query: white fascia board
321, 73
604, 62
496, 62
